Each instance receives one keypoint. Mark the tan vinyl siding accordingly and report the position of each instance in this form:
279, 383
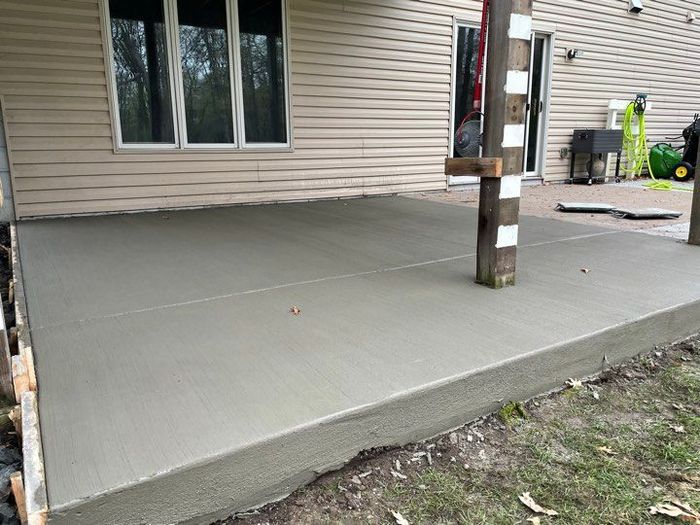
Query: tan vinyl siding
370, 86
370, 101
655, 52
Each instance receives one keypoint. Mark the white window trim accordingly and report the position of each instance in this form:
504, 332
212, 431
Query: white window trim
177, 60
457, 23
181, 143
239, 80
112, 88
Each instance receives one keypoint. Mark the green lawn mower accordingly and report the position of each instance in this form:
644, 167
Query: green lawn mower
666, 162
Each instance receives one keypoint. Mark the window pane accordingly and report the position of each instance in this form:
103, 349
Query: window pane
262, 67
205, 71
141, 71
465, 78
535, 102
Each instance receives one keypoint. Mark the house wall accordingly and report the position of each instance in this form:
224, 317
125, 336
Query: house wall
655, 52
7, 209
370, 88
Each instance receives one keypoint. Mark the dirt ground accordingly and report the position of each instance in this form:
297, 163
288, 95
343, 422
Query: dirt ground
609, 450
541, 200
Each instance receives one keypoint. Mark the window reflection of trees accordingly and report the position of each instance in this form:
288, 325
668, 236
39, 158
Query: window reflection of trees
205, 73
142, 82
262, 70
143, 85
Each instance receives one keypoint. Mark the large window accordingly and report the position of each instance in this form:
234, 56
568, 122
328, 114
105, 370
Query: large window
141, 71
262, 70
199, 73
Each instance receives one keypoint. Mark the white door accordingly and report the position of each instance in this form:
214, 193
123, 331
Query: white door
536, 117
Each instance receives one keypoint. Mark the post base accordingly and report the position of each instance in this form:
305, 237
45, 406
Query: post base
497, 282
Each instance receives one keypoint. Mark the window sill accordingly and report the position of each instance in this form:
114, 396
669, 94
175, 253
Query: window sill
122, 150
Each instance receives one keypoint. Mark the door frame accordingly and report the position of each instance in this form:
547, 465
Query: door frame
456, 24
546, 87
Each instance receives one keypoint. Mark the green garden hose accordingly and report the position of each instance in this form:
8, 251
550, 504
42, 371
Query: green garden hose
636, 146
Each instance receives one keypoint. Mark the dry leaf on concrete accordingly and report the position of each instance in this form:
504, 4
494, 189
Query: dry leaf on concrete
607, 450
586, 270
676, 509
294, 310
400, 520
530, 503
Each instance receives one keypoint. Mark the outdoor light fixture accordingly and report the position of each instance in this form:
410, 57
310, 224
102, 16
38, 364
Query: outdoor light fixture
636, 6
574, 53
690, 17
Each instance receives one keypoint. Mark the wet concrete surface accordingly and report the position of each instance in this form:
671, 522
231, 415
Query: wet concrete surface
176, 385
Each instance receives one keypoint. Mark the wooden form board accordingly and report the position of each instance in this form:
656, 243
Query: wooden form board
6, 386
25, 385
17, 484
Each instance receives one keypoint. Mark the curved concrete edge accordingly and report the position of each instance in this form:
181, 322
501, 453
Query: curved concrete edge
270, 470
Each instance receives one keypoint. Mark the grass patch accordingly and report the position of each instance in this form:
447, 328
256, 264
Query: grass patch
512, 413
594, 461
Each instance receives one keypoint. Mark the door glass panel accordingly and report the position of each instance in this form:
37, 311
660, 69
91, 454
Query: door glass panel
465, 77
536, 104
206, 78
141, 71
262, 70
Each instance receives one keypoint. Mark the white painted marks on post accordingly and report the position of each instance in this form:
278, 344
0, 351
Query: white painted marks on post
520, 27
507, 236
513, 136
510, 187
517, 82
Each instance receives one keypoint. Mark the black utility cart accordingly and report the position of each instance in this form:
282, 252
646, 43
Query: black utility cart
595, 142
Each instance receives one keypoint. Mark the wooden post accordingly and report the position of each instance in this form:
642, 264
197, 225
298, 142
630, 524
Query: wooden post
507, 77
694, 235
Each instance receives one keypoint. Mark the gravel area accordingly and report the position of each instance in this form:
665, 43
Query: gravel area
540, 201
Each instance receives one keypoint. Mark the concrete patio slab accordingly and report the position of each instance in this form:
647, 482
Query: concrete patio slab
176, 385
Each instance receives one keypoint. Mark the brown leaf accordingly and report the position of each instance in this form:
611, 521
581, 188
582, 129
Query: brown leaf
676, 509
607, 450
294, 310
678, 429
527, 500
400, 520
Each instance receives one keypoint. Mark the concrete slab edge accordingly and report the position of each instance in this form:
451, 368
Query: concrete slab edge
33, 474
270, 470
